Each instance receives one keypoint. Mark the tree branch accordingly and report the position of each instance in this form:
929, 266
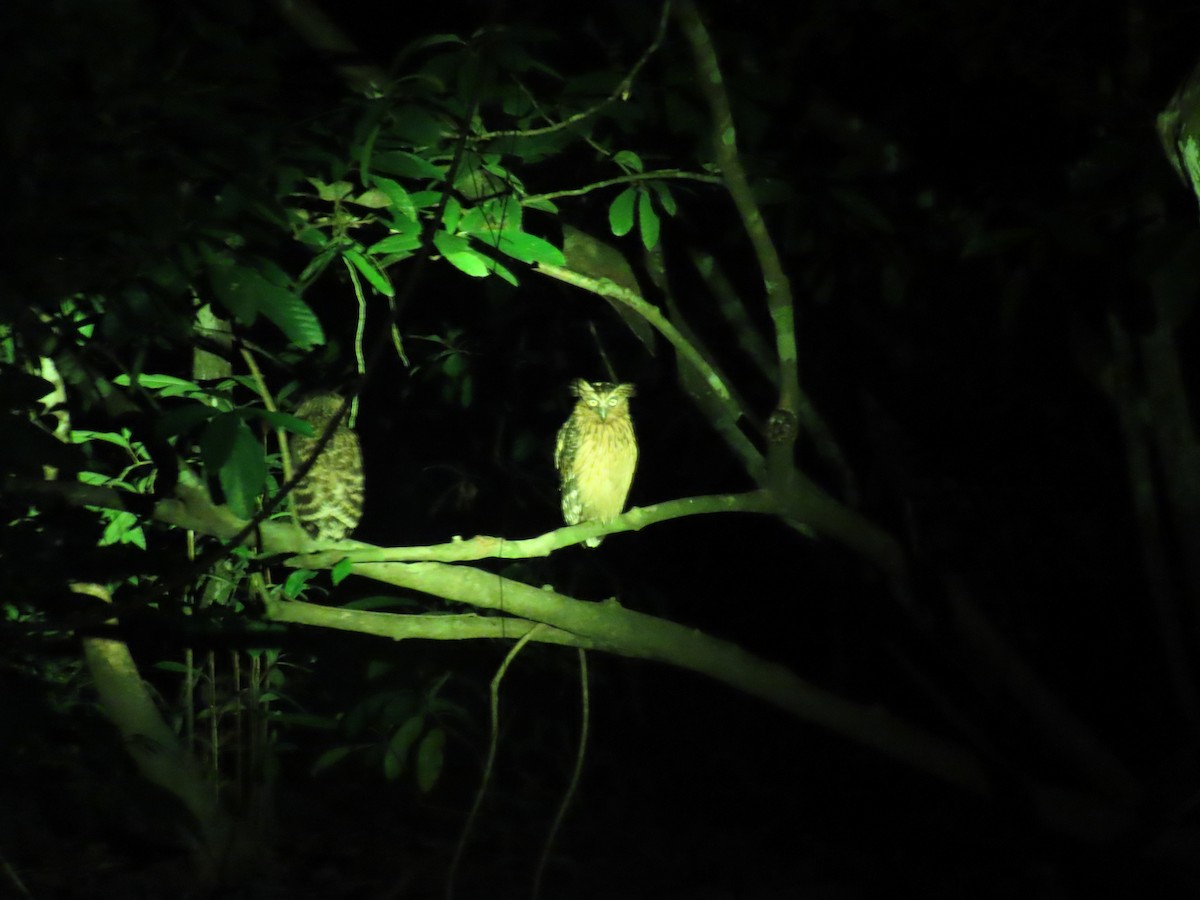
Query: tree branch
602, 626
400, 627
487, 547
609, 626
794, 405
635, 178
775, 280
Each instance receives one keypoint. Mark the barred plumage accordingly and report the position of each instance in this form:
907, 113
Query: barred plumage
596, 453
328, 501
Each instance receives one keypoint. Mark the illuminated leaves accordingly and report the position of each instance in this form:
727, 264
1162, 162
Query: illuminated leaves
249, 291
636, 204
232, 453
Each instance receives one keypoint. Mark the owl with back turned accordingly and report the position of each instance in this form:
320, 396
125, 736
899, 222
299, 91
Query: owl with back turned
328, 501
596, 453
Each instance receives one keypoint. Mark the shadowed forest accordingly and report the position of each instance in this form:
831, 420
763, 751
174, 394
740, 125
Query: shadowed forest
905, 599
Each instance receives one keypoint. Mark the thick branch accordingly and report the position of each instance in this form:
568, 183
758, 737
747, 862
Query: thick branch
154, 747
604, 626
404, 627
609, 626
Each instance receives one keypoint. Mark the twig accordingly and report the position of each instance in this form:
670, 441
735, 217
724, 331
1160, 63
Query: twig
633, 178
620, 92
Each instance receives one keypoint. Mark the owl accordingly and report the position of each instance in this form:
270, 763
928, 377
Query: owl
596, 453
328, 500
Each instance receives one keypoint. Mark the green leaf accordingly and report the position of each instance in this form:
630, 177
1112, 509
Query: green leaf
331, 192
649, 221
372, 198
497, 269
317, 265
276, 419
393, 708
156, 382
459, 254
665, 198
406, 165
620, 213
122, 528
442, 706
340, 571
418, 126
291, 315
294, 586
529, 248
401, 201
396, 243
229, 450
424, 43
629, 161
451, 215
430, 758
396, 756
490, 217
370, 271
546, 206
135, 536
329, 758
426, 199
246, 292
83, 436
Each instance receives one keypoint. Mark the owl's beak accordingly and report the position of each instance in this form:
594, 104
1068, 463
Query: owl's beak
603, 412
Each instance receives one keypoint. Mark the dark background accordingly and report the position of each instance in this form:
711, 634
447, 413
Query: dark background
965, 195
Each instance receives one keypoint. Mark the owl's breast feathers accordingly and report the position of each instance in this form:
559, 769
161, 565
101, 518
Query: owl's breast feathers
605, 467
329, 499
597, 462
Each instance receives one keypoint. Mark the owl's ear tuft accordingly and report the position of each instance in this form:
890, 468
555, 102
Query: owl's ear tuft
579, 387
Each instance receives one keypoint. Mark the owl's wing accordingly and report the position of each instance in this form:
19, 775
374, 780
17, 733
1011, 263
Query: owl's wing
560, 444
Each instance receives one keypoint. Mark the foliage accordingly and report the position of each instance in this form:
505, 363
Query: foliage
264, 199
212, 225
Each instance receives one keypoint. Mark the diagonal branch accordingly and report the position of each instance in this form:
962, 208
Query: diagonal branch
794, 404
609, 626
602, 626
515, 608
775, 280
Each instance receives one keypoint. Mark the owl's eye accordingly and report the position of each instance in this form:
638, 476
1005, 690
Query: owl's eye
592, 401
612, 401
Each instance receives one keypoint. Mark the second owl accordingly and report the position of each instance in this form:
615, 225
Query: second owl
329, 499
596, 453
